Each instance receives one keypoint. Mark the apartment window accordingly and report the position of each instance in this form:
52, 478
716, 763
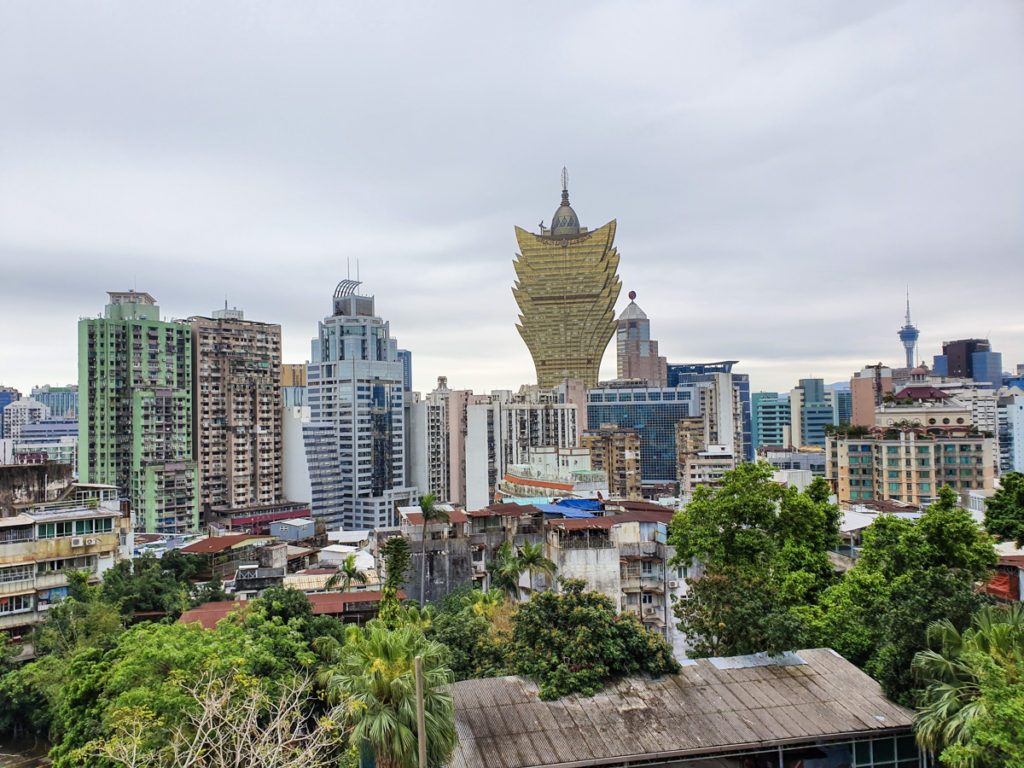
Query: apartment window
15, 604
55, 530
17, 573
647, 598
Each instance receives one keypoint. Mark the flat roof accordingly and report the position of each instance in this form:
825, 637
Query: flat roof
712, 706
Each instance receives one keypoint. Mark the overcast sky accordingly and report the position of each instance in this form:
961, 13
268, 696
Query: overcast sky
780, 171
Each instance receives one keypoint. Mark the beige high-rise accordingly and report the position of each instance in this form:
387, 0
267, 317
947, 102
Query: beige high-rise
566, 288
237, 410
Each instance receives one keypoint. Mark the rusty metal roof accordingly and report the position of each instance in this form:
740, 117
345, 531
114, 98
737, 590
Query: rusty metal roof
708, 708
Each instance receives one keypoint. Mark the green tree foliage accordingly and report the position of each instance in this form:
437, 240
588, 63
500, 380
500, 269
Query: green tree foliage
574, 642
146, 584
396, 565
764, 551
1004, 511
148, 665
464, 625
81, 620
972, 705
374, 671
908, 576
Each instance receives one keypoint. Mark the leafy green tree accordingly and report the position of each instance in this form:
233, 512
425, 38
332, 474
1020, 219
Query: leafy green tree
431, 514
81, 620
209, 592
505, 569
574, 642
146, 667
374, 670
968, 676
531, 559
473, 651
1004, 510
396, 565
908, 576
765, 556
143, 585
347, 573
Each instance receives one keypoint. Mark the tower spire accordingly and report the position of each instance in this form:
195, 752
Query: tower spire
908, 335
565, 185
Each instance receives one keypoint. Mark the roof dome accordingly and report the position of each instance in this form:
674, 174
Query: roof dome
565, 221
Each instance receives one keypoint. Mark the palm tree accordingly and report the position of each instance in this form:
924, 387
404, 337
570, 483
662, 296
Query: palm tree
952, 669
531, 558
348, 572
431, 514
505, 571
374, 672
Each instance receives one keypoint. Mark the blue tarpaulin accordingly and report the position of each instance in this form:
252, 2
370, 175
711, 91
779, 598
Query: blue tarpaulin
590, 505
562, 510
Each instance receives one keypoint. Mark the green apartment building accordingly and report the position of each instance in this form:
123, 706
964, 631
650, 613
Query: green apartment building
135, 411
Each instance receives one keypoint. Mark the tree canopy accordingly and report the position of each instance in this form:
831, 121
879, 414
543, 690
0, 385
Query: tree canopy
1004, 510
764, 552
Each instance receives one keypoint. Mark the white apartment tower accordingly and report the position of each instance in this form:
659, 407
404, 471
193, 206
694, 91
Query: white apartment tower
355, 439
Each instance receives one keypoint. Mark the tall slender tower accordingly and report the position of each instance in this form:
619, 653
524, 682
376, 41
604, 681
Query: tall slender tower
566, 287
908, 335
355, 441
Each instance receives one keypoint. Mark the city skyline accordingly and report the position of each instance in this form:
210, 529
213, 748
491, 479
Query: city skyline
777, 186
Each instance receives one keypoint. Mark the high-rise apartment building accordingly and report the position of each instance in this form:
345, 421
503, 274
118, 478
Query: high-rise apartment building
22, 412
7, 396
62, 401
812, 407
135, 411
237, 400
771, 417
1011, 433
430, 443
615, 451
357, 420
566, 288
636, 352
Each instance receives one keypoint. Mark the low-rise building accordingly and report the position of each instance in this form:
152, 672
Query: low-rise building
222, 555
908, 464
88, 531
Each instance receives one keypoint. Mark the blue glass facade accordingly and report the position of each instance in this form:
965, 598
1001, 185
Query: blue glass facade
654, 413
405, 357
681, 374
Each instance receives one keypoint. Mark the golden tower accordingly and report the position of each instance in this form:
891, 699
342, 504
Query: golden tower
566, 288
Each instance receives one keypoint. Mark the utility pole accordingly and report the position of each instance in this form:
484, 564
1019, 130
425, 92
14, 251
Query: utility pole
421, 727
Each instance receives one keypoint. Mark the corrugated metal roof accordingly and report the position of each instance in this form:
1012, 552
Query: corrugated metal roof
704, 709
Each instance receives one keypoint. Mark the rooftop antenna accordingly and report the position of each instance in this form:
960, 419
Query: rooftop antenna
565, 179
348, 267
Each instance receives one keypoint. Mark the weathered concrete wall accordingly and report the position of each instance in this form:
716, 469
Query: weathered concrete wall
32, 483
448, 566
599, 568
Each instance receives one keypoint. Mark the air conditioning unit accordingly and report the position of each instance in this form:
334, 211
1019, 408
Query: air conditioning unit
650, 611
673, 584
77, 541
91, 542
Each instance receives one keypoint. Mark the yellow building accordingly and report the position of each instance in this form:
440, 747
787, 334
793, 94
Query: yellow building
293, 374
566, 288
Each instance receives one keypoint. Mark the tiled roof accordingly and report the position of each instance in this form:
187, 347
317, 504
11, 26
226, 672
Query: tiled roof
711, 706
455, 516
220, 543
